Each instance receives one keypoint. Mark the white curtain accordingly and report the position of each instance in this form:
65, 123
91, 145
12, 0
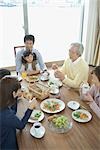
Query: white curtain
90, 29
96, 60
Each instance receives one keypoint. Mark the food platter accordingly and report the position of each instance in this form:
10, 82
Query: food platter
81, 115
52, 105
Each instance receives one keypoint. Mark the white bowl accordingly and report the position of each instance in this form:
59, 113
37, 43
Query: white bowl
73, 105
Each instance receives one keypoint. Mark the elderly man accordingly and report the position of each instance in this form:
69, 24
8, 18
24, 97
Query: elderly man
74, 70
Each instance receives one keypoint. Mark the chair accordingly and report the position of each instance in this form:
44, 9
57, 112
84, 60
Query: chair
17, 48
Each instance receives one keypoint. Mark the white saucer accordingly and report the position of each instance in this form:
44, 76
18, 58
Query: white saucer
30, 120
73, 105
56, 91
55, 81
32, 132
43, 78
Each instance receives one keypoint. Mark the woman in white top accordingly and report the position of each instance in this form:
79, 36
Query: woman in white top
29, 63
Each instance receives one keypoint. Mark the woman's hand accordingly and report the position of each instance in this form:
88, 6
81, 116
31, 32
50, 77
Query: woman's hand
18, 94
88, 98
33, 104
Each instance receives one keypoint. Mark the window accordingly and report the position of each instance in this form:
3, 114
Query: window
54, 23
12, 32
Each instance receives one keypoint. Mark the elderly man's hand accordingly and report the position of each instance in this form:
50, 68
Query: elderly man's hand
59, 74
54, 66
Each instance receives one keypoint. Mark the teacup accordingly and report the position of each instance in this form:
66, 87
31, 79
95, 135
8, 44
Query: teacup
84, 89
37, 128
53, 88
45, 76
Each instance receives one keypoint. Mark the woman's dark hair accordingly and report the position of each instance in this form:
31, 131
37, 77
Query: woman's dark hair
96, 71
29, 38
27, 53
8, 85
4, 72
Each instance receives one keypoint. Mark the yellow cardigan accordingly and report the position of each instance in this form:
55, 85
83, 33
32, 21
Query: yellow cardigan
75, 72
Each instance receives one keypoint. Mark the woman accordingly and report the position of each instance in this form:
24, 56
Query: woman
10, 90
29, 63
4, 72
93, 96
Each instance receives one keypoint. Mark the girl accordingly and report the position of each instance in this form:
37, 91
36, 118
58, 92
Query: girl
29, 63
10, 90
93, 96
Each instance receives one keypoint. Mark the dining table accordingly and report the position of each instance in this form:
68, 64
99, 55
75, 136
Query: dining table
82, 136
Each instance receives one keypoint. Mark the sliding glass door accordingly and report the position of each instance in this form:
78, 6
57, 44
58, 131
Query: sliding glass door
12, 32
54, 23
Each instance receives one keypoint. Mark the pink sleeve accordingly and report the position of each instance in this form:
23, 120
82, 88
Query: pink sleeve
91, 91
95, 108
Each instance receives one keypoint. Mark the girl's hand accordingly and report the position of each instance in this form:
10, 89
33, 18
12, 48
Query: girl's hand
29, 73
34, 72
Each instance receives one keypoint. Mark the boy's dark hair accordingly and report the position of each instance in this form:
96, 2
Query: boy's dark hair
27, 53
4, 72
29, 38
96, 71
8, 85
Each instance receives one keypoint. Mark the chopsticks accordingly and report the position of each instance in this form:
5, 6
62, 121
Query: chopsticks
83, 107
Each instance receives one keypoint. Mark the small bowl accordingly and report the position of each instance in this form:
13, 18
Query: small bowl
74, 105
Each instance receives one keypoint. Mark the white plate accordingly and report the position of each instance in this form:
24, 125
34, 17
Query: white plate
79, 119
56, 91
62, 105
43, 78
32, 80
56, 82
33, 114
73, 105
32, 132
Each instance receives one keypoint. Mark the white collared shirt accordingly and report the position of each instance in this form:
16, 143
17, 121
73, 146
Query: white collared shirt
76, 61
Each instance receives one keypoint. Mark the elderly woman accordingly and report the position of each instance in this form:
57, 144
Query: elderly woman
93, 96
74, 70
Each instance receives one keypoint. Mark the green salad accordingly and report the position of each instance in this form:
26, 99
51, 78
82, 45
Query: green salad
77, 114
80, 115
60, 121
37, 115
